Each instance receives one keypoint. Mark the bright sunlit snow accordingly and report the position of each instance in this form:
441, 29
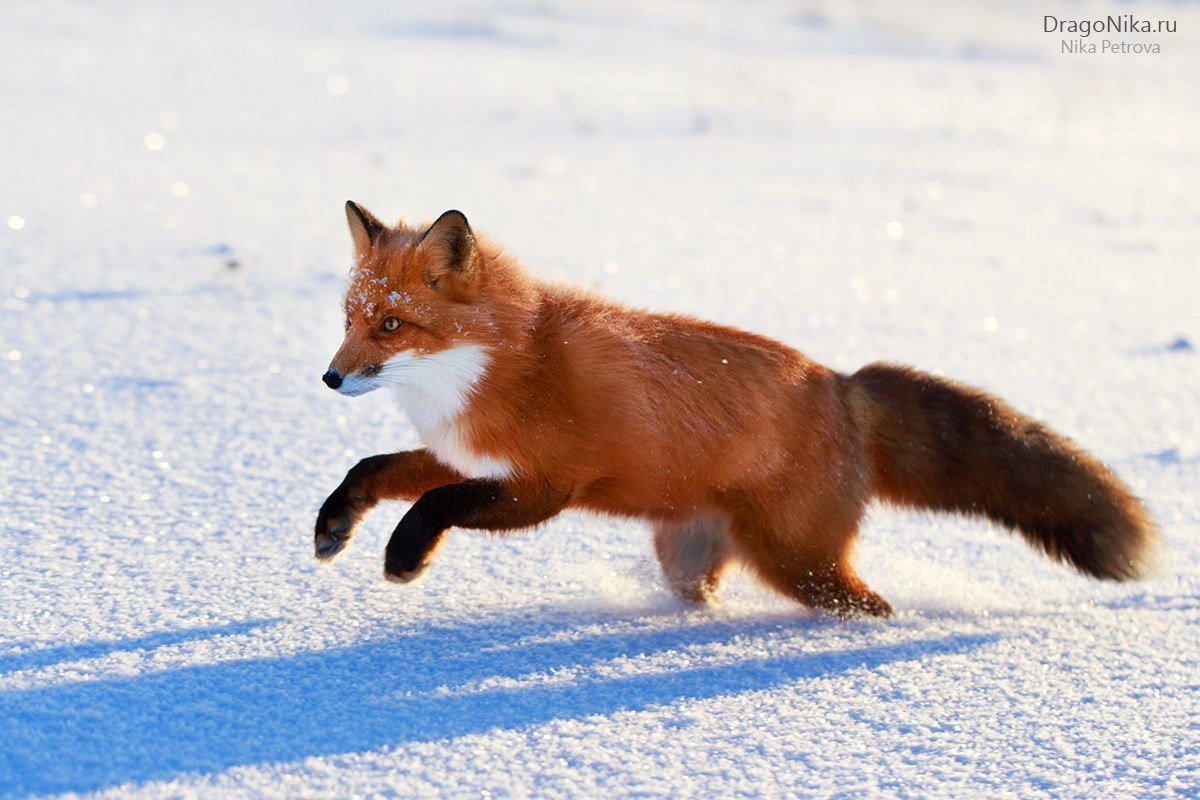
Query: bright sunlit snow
930, 183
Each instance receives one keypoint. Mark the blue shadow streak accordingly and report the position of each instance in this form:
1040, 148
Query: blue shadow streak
206, 719
48, 656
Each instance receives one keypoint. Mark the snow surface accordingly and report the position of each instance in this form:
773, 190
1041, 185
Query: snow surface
924, 182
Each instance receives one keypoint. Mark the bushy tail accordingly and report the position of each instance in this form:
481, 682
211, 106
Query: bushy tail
939, 445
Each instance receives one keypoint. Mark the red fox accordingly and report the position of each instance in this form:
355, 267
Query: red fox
532, 398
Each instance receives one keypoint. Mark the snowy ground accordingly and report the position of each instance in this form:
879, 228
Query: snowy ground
921, 182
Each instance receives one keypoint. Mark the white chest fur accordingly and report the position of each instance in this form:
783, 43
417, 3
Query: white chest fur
433, 390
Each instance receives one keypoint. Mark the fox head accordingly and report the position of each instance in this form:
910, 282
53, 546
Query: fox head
418, 312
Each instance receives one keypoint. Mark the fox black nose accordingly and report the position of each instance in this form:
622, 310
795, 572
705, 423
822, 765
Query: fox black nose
333, 379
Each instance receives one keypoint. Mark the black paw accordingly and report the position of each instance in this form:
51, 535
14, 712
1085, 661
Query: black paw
398, 574
411, 548
336, 521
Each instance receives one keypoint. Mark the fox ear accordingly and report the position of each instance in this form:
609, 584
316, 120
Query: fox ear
365, 228
450, 247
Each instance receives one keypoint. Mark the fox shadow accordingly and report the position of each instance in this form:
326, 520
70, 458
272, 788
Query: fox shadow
433, 684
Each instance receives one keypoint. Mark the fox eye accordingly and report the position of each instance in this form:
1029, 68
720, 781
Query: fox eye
391, 324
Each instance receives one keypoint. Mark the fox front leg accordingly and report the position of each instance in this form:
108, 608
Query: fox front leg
395, 476
481, 504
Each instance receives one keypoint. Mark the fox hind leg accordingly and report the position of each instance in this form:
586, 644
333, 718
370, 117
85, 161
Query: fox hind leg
837, 589
809, 560
694, 554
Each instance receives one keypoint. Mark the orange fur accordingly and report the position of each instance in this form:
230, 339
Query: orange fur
734, 446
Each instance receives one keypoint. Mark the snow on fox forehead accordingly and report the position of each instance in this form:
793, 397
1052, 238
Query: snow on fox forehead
369, 293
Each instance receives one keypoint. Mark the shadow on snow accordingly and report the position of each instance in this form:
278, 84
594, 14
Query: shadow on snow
387, 692
49, 656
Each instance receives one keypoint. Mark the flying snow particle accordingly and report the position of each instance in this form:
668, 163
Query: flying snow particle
337, 85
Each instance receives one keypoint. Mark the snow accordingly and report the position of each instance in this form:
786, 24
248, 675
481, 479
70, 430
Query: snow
933, 184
